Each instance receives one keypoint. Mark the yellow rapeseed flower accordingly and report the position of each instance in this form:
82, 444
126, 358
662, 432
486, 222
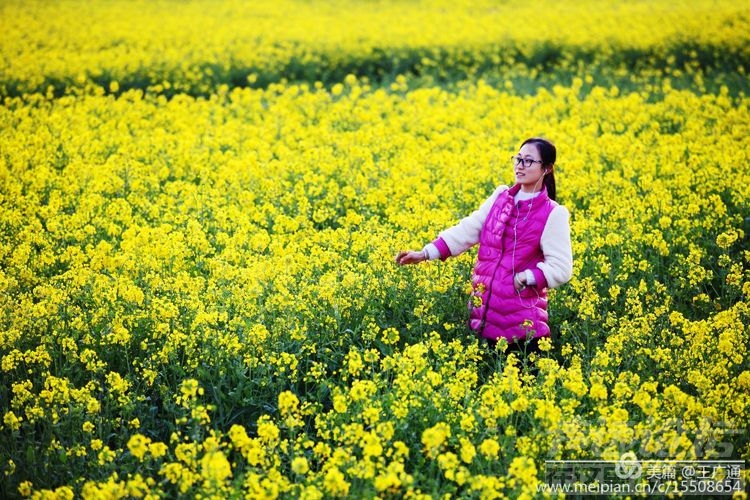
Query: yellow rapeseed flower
138, 445
215, 467
433, 438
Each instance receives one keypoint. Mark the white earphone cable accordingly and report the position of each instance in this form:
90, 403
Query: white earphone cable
513, 255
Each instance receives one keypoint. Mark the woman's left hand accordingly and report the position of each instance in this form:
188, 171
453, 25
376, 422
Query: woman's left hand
519, 281
410, 257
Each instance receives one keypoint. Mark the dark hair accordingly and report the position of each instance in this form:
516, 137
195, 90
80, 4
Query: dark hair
548, 152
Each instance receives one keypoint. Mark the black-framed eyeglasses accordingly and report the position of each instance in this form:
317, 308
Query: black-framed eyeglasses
527, 162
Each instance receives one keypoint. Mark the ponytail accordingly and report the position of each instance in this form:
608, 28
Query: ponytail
548, 152
549, 183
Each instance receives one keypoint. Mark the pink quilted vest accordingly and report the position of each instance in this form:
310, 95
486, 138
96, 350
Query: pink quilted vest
497, 309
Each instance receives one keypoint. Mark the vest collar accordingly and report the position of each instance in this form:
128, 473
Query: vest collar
542, 197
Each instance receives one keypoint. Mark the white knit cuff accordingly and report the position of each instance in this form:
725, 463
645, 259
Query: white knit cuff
431, 251
530, 280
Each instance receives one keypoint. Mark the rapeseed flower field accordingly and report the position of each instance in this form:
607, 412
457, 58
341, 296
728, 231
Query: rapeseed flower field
200, 203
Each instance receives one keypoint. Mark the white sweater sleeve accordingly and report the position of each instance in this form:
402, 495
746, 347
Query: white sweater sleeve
558, 252
465, 234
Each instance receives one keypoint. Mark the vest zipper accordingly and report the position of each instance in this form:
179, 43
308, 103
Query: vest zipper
494, 273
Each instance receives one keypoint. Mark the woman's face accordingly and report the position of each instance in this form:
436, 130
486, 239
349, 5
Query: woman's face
529, 177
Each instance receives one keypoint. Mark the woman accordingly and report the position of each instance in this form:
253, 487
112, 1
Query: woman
524, 249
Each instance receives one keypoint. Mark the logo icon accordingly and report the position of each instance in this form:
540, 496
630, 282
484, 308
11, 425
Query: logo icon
628, 467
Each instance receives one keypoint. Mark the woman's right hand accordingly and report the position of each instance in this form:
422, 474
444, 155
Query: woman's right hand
410, 257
